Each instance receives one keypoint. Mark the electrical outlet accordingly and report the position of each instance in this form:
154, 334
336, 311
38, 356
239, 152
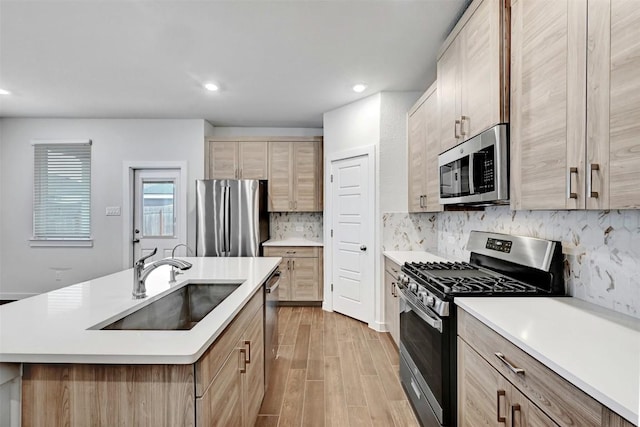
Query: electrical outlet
299, 228
113, 211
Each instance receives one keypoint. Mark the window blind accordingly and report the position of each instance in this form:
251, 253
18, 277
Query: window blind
62, 191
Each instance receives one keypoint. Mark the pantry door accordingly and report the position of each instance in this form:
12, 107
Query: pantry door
352, 242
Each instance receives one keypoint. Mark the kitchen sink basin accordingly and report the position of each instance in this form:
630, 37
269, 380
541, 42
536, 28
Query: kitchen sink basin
182, 309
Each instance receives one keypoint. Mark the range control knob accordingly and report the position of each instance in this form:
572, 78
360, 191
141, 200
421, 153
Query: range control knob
422, 296
413, 287
431, 301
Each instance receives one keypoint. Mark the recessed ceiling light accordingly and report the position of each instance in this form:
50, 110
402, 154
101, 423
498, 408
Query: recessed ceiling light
211, 86
4, 92
359, 87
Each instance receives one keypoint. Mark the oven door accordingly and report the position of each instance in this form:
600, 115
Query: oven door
425, 344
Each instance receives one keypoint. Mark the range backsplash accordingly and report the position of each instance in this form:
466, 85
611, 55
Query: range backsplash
602, 247
307, 225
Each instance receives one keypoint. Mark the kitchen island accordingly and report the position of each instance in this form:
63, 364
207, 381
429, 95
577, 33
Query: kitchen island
76, 374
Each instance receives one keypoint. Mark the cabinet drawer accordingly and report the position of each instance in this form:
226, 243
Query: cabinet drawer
212, 360
391, 267
559, 399
292, 251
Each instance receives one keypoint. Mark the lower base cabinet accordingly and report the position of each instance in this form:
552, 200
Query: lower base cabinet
234, 396
300, 272
392, 299
224, 387
501, 385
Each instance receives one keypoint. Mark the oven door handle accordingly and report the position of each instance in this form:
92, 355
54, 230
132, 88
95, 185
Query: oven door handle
472, 189
435, 323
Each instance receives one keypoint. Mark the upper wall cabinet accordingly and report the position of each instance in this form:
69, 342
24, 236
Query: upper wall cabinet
575, 104
424, 147
226, 159
473, 73
295, 176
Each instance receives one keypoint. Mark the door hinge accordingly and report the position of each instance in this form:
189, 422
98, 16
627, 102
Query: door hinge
332, 232
332, 287
331, 177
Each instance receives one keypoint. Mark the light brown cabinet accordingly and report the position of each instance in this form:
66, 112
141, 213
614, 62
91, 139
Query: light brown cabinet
501, 385
214, 391
486, 398
423, 150
295, 175
236, 363
472, 73
575, 104
245, 159
301, 275
392, 299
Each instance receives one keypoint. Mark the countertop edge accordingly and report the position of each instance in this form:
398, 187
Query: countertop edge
579, 383
292, 242
184, 358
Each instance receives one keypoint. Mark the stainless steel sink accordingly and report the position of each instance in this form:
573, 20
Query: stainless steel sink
179, 310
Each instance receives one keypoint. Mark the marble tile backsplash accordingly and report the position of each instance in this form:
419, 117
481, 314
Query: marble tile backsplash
307, 225
409, 232
602, 248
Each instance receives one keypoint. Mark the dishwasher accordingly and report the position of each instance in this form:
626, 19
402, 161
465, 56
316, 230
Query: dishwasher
270, 324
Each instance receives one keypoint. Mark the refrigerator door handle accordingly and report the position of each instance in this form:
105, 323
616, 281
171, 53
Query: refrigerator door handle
227, 220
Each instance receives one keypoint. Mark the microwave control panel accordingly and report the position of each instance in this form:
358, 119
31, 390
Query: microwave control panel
499, 245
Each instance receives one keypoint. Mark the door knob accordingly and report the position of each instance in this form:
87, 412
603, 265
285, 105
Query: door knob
363, 248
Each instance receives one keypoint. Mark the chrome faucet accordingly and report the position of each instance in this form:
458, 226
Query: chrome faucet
140, 272
174, 272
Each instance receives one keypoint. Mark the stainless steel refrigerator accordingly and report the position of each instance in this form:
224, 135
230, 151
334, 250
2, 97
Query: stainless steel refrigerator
232, 217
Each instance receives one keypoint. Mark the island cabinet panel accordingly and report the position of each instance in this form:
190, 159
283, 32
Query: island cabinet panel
221, 404
301, 272
107, 395
392, 300
253, 380
212, 360
490, 389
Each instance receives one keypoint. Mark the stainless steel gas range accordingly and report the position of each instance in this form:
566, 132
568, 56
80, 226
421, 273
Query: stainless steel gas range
500, 265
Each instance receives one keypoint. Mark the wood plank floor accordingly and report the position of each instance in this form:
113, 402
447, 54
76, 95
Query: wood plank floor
332, 370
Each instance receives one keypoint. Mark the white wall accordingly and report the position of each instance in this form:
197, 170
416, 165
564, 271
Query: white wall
209, 129
258, 131
393, 149
25, 270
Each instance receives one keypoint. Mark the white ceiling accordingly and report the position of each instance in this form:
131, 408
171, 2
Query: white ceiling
279, 63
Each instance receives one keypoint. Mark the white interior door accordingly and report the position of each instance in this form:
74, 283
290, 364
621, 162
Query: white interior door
352, 244
157, 203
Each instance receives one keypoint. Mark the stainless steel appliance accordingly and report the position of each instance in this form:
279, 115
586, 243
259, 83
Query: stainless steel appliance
477, 170
232, 217
500, 265
270, 323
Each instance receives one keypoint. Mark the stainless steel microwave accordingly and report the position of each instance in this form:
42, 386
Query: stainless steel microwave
477, 171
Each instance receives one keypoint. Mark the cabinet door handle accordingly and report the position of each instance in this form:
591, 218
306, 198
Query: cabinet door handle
504, 360
393, 286
455, 129
570, 194
503, 394
248, 344
293, 264
462, 119
288, 264
590, 192
516, 408
243, 353
240, 174
295, 204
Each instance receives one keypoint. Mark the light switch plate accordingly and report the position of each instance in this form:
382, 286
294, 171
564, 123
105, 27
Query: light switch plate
113, 211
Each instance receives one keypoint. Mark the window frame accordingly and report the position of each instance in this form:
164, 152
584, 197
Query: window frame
43, 241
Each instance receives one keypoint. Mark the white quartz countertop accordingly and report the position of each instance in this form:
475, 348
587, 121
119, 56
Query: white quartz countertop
292, 241
55, 327
595, 349
400, 257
